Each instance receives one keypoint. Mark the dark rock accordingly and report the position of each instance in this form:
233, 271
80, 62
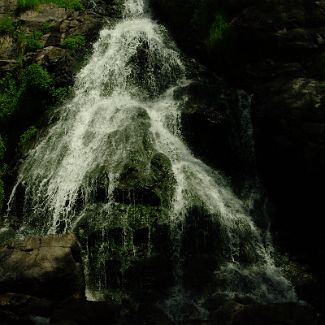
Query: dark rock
233, 313
24, 306
42, 266
85, 312
150, 278
46, 13
149, 314
216, 124
275, 51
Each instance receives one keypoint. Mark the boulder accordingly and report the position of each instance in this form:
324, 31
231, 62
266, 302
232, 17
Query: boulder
47, 13
42, 266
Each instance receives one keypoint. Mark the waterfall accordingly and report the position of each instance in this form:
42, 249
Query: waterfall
115, 159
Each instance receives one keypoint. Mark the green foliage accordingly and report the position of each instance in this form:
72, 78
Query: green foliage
6, 25
32, 41
18, 93
60, 94
32, 44
218, 29
26, 138
27, 4
45, 28
9, 94
74, 42
68, 4
36, 78
33, 4
2, 149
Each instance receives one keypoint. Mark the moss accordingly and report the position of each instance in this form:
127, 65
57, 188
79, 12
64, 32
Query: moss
6, 25
74, 42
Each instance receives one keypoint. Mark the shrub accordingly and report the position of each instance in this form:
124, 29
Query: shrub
32, 41
60, 94
26, 138
32, 44
9, 94
6, 25
74, 42
218, 29
36, 78
2, 149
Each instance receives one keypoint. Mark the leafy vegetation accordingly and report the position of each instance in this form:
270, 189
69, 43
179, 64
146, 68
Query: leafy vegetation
9, 95
2, 148
60, 94
45, 28
36, 78
74, 42
6, 25
33, 4
32, 41
26, 138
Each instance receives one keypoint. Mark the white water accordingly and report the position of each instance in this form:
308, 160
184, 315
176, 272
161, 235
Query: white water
123, 112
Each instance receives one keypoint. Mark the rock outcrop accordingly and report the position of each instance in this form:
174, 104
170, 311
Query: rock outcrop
43, 267
275, 51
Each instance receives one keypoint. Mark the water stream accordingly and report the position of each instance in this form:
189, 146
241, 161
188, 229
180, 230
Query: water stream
102, 157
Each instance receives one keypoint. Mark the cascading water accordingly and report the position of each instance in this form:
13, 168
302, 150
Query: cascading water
115, 161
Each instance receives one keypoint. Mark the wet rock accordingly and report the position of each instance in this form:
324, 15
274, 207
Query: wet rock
233, 313
42, 266
50, 56
111, 8
150, 278
216, 124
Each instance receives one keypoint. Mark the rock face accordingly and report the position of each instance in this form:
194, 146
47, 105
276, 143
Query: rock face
274, 50
55, 25
42, 266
